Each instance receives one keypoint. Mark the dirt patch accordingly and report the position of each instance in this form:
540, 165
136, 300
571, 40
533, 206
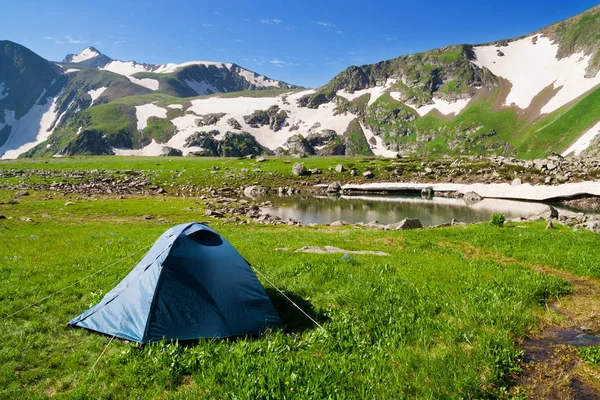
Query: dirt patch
551, 367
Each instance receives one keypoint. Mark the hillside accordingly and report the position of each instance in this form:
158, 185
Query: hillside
528, 97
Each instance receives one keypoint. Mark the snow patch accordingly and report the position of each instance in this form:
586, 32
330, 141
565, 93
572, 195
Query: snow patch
583, 142
153, 149
257, 80
71, 70
146, 111
177, 106
379, 148
492, 190
96, 93
151, 84
3, 87
530, 68
237, 108
86, 54
30, 130
201, 87
375, 92
443, 106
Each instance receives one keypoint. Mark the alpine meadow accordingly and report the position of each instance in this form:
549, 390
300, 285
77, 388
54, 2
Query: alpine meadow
422, 227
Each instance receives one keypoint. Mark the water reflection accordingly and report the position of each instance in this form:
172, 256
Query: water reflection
390, 209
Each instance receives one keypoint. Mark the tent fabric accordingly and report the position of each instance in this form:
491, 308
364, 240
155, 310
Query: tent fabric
191, 284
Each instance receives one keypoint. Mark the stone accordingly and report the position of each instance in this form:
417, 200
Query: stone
548, 180
69, 203
255, 191
516, 182
368, 174
261, 159
550, 213
299, 169
26, 219
353, 172
315, 171
22, 194
339, 223
2, 216
472, 197
409, 223
212, 213
427, 193
550, 225
335, 187
339, 168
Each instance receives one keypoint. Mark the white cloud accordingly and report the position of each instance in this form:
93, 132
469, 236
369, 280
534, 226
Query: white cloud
278, 63
59, 42
322, 23
220, 14
339, 32
75, 41
207, 25
274, 21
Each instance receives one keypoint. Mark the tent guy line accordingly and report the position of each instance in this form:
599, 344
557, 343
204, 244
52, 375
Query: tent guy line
76, 282
288, 299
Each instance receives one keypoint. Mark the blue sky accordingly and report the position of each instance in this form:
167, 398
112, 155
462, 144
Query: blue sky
305, 42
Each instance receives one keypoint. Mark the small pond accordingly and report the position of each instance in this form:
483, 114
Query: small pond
391, 209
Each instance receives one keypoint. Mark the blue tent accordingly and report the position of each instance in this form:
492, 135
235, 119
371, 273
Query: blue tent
191, 284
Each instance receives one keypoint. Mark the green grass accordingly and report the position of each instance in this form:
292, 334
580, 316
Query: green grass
437, 319
558, 130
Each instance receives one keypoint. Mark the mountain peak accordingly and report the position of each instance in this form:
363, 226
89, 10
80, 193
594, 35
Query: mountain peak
89, 57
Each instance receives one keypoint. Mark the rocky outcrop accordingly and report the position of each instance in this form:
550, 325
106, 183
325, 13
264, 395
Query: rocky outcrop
233, 144
273, 117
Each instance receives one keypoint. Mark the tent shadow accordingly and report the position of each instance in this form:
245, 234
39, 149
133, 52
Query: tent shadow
294, 320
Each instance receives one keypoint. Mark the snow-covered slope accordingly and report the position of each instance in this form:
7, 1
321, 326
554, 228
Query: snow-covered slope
532, 65
31, 129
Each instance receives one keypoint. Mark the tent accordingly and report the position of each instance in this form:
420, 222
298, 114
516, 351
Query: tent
191, 284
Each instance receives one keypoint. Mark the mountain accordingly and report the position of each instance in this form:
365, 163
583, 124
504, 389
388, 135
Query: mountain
181, 80
527, 96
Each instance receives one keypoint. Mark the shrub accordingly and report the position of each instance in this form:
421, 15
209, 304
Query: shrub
498, 220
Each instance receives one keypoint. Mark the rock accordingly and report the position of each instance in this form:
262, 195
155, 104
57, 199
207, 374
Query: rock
427, 193
299, 169
148, 217
548, 180
212, 213
550, 225
171, 152
353, 172
428, 170
261, 159
298, 145
2, 216
339, 223
368, 174
69, 203
550, 213
315, 171
255, 191
409, 223
562, 178
22, 194
26, 219
516, 182
472, 197
335, 187
339, 168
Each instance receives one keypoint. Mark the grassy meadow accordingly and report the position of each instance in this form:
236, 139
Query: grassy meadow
440, 317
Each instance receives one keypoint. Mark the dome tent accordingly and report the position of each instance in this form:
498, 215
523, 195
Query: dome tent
191, 284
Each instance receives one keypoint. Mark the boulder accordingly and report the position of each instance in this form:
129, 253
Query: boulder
255, 191
472, 197
335, 187
516, 182
299, 169
368, 174
427, 193
339, 223
408, 223
339, 168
